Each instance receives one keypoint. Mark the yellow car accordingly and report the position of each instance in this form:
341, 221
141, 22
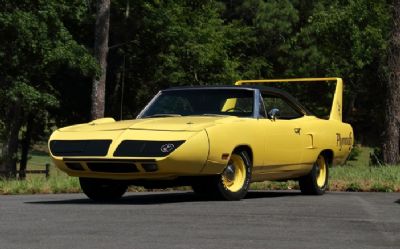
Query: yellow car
217, 139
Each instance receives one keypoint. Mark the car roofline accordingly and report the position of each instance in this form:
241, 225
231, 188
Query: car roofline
228, 87
261, 88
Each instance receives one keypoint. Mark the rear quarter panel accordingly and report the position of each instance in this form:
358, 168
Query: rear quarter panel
333, 135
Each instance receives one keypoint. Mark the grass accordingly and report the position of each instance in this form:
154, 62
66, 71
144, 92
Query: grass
355, 175
358, 175
347, 178
58, 182
38, 184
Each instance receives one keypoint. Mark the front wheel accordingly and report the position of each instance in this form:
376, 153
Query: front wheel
102, 190
232, 184
316, 182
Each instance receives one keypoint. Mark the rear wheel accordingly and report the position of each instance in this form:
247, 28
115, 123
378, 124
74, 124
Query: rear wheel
232, 184
102, 190
316, 182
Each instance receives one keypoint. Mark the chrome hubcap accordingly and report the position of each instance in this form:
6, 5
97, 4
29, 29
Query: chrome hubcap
229, 172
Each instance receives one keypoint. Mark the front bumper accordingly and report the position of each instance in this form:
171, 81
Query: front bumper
188, 159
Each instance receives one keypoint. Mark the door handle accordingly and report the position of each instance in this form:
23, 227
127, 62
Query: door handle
297, 130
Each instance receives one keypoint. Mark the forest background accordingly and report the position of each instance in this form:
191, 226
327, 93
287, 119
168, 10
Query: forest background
47, 62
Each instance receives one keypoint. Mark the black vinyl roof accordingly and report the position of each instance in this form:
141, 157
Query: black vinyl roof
249, 87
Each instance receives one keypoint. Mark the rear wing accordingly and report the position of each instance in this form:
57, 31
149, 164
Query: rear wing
336, 109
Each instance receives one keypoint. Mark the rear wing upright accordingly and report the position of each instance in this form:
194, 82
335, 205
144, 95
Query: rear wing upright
336, 109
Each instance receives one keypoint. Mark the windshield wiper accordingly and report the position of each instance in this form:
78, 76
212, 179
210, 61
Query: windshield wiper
162, 115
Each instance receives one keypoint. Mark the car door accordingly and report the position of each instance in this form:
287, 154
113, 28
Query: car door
284, 140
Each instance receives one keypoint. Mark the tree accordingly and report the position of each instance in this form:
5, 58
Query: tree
261, 29
166, 43
100, 53
391, 145
35, 46
47, 72
347, 39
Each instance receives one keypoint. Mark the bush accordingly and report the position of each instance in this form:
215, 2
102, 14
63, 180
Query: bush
376, 157
355, 153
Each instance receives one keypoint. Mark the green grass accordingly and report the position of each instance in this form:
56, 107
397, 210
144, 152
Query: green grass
355, 175
38, 184
360, 176
58, 182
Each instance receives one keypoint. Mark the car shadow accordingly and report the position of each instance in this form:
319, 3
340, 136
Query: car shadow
150, 198
398, 201
271, 194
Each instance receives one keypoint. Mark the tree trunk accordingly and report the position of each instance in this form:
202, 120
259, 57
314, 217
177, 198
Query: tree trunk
100, 53
349, 109
9, 157
25, 145
391, 145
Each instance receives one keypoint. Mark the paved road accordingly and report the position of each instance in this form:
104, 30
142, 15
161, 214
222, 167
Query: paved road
180, 220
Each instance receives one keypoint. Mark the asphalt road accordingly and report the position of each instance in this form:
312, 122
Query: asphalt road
181, 220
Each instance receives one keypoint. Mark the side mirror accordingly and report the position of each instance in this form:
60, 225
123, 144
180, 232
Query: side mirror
273, 113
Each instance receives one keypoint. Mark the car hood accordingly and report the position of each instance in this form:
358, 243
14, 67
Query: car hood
185, 123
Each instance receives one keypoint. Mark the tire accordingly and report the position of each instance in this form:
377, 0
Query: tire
102, 190
202, 186
199, 188
316, 182
232, 184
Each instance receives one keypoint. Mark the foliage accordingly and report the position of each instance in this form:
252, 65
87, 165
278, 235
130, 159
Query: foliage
170, 43
347, 39
376, 179
376, 157
354, 153
36, 45
46, 63
39, 185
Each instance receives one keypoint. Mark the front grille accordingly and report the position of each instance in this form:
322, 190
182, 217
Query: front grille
113, 167
79, 147
143, 148
75, 166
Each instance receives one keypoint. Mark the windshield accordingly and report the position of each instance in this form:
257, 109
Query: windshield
234, 102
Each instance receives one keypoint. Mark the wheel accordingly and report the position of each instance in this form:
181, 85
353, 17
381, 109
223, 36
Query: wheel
316, 182
102, 190
232, 184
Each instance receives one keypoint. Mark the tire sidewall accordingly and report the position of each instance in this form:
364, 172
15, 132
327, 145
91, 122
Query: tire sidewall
102, 190
320, 190
229, 195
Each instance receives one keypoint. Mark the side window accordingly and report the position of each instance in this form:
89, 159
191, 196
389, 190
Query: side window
286, 110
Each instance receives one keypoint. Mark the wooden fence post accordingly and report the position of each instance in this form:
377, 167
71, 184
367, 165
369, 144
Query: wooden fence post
47, 170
